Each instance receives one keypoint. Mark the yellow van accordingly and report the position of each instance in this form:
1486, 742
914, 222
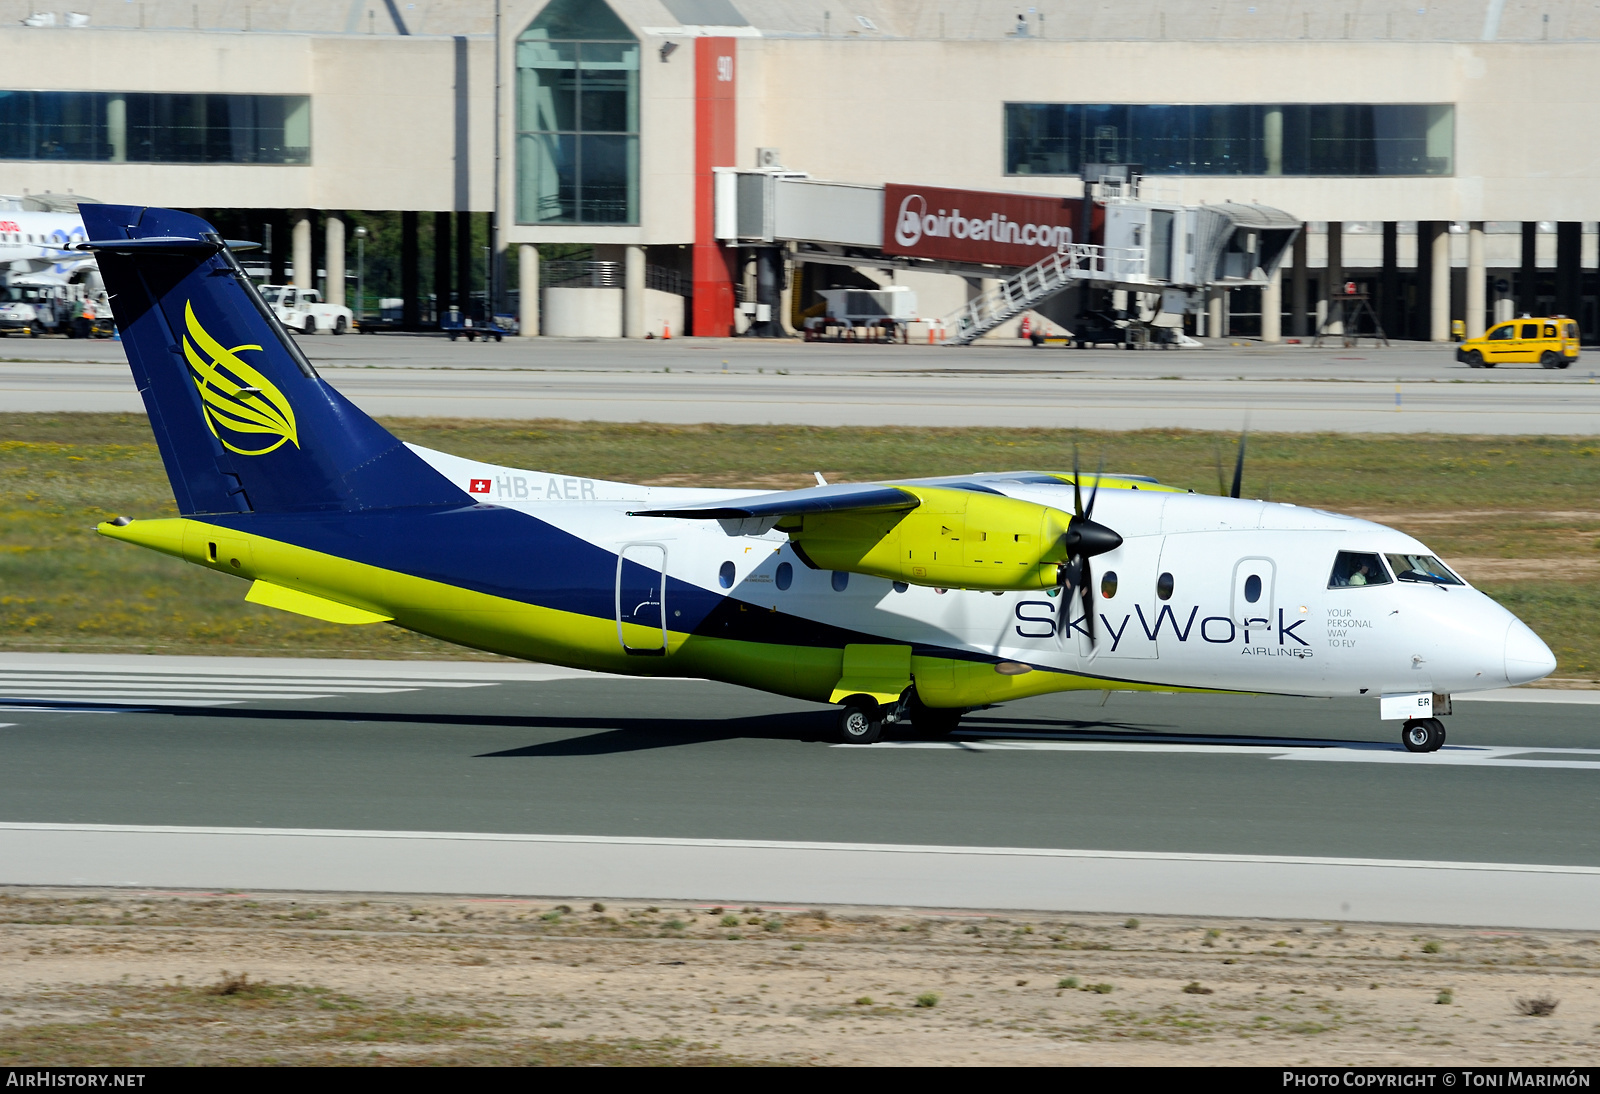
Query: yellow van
1551, 342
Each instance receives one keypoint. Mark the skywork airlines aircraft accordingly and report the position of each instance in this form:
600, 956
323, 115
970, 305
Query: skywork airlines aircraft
915, 600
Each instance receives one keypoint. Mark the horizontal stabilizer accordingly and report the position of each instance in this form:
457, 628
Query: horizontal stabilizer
286, 599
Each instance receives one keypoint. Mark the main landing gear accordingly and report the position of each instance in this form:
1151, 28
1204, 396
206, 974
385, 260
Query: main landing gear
1423, 735
862, 720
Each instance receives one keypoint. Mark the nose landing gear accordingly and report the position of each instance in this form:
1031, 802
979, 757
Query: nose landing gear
1423, 735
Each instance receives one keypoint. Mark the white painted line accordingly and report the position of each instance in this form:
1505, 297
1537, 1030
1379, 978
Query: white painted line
1501, 756
770, 872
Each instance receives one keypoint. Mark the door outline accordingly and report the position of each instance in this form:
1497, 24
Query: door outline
660, 593
1137, 562
1244, 613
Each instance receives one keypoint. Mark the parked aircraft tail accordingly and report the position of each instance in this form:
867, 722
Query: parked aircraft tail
243, 421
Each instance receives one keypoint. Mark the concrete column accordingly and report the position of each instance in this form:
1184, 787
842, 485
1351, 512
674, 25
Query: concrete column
305, 275
1477, 280
1439, 282
117, 127
1272, 307
333, 243
1333, 279
633, 293
1299, 299
1214, 323
528, 289
1272, 139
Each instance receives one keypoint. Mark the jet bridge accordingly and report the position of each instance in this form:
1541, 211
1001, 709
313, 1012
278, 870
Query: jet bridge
1119, 235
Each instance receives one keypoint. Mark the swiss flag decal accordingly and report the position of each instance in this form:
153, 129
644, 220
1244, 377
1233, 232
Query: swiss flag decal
479, 486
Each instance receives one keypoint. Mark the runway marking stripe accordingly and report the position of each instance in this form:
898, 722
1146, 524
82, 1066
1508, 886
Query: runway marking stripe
1501, 756
796, 845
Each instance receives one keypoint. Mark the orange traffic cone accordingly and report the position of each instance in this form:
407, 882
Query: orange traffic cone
666, 330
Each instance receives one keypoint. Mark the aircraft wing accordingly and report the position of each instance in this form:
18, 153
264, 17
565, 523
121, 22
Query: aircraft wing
963, 535
843, 498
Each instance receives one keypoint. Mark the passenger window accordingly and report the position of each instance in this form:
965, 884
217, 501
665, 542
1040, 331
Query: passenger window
785, 575
725, 575
1422, 568
1530, 330
841, 580
1108, 584
1164, 586
1252, 588
1352, 568
1500, 334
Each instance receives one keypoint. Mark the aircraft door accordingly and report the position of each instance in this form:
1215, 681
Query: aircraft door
1125, 602
642, 599
1254, 597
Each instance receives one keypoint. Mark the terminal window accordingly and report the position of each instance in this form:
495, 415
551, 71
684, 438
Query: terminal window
577, 117
140, 127
1339, 139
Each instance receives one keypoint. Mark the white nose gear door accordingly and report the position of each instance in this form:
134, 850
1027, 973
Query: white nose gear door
642, 599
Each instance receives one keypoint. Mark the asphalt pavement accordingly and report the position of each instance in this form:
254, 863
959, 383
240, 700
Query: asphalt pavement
1410, 387
494, 777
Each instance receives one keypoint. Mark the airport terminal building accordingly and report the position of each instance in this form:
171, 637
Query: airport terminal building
1438, 154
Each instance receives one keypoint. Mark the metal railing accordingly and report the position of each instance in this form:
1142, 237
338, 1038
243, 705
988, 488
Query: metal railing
1045, 278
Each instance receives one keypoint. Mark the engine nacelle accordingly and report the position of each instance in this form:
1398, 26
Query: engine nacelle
955, 539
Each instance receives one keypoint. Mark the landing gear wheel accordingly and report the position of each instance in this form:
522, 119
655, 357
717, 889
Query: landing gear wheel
860, 722
1549, 359
1474, 359
1422, 735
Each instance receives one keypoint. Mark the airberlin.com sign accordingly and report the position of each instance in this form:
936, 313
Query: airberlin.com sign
974, 225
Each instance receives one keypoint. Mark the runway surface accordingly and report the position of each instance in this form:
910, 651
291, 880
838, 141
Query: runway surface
462, 771
1290, 389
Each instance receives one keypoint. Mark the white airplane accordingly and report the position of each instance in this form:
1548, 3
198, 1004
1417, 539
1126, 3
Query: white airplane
33, 242
916, 599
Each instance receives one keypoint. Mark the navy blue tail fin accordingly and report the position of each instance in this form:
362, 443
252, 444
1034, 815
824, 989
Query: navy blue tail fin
243, 421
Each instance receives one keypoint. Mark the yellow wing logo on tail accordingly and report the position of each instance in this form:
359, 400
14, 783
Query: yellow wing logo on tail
235, 397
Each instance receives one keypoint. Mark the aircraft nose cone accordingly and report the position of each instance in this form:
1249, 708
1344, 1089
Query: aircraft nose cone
1527, 657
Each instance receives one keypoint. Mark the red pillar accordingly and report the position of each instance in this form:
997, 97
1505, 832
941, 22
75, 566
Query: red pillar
713, 147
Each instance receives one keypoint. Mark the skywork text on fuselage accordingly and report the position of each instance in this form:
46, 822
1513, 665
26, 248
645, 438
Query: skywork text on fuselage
1217, 630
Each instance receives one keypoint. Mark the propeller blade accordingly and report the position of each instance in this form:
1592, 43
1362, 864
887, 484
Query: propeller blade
1088, 514
1238, 469
1077, 491
1086, 594
1222, 483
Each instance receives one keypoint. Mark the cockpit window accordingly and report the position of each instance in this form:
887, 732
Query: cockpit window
1423, 568
1353, 568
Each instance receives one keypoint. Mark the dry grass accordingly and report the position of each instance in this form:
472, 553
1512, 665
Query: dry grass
125, 978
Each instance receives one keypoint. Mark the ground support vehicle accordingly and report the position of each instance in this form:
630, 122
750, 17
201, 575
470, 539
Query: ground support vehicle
1550, 341
457, 326
304, 312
